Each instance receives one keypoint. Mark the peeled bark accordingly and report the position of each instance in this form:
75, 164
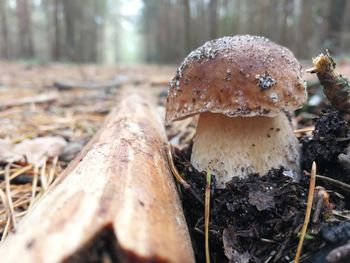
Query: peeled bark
116, 200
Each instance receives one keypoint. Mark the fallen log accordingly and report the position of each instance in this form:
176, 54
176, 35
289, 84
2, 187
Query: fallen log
41, 98
73, 84
116, 200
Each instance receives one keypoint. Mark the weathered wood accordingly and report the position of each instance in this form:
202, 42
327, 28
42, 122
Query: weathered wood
117, 199
73, 84
41, 98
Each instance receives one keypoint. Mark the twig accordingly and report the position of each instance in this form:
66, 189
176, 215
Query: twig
9, 197
207, 216
308, 211
306, 129
332, 181
43, 178
52, 170
21, 171
6, 229
34, 186
336, 87
322, 201
278, 255
41, 98
173, 168
71, 84
5, 203
7, 211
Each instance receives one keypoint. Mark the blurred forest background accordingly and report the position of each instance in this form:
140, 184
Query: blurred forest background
163, 31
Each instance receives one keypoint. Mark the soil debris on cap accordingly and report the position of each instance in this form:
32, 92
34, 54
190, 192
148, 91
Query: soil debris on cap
265, 81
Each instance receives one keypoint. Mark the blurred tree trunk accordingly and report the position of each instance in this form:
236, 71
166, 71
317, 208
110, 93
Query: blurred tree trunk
273, 19
56, 49
87, 32
287, 10
304, 30
213, 18
250, 17
69, 11
237, 16
345, 29
202, 24
25, 36
326, 13
100, 22
80, 30
4, 43
188, 27
147, 22
261, 15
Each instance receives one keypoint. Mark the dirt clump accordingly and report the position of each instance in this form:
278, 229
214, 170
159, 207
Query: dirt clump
252, 220
329, 139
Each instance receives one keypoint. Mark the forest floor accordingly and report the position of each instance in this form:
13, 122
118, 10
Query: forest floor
48, 113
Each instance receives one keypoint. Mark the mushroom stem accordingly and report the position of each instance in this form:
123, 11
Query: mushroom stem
239, 146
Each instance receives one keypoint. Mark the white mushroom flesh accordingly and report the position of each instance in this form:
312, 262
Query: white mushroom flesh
239, 146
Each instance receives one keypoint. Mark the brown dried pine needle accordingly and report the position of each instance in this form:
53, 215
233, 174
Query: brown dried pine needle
207, 215
21, 195
173, 169
307, 212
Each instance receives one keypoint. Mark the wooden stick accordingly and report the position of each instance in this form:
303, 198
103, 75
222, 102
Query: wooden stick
42, 98
117, 198
9, 197
73, 84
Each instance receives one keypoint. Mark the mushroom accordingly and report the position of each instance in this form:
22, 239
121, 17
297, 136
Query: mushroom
242, 87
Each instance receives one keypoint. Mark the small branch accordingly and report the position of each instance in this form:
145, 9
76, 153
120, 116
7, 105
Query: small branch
336, 87
308, 211
71, 84
207, 216
9, 197
8, 214
34, 186
42, 98
304, 130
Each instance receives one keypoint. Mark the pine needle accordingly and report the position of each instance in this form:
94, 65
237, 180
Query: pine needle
43, 179
6, 229
7, 211
173, 168
52, 170
207, 216
34, 186
9, 196
308, 212
20, 171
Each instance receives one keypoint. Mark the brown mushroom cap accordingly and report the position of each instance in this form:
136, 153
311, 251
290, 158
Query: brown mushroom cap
236, 76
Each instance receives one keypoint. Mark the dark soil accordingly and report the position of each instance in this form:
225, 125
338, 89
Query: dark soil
258, 219
330, 138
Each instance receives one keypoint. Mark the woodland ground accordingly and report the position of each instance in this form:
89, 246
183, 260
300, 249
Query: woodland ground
35, 103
